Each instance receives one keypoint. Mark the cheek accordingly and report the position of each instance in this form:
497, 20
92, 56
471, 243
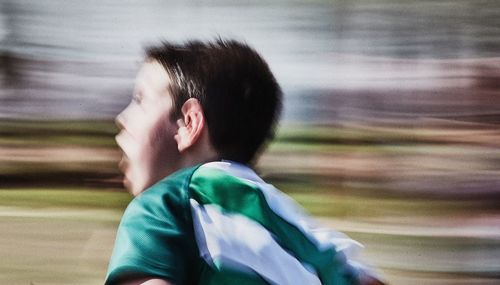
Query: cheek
154, 153
161, 141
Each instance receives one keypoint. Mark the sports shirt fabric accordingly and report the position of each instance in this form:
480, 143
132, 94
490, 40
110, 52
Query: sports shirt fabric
220, 223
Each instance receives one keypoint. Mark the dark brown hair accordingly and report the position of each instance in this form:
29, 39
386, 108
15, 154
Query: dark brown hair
240, 97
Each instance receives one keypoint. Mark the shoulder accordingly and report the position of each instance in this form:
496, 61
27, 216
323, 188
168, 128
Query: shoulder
165, 204
223, 175
230, 187
155, 235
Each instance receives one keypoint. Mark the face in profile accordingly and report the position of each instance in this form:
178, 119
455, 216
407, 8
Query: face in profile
146, 135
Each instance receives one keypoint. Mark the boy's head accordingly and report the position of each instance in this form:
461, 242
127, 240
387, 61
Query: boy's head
205, 100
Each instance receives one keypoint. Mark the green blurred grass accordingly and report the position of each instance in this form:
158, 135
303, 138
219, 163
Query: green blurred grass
64, 198
50, 133
347, 206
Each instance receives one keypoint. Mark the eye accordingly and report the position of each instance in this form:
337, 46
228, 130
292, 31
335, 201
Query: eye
137, 98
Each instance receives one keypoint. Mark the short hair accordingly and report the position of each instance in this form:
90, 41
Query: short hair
240, 97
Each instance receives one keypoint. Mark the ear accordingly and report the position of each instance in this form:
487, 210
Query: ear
191, 125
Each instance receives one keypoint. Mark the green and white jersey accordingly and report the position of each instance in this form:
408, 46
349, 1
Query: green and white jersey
220, 223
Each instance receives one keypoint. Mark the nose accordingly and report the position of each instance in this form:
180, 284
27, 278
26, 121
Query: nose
120, 121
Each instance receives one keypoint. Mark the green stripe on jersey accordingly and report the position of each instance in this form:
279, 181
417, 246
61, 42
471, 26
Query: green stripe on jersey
234, 241
214, 186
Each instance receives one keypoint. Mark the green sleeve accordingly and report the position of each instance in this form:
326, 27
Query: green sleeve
154, 238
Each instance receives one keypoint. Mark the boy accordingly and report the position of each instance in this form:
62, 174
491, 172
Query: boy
200, 114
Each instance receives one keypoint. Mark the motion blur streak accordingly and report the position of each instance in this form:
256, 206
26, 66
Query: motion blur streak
391, 129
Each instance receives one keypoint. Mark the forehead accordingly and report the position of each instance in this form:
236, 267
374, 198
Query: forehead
152, 77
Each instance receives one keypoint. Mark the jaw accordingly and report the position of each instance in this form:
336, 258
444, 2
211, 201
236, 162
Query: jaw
132, 188
131, 180
134, 181
134, 185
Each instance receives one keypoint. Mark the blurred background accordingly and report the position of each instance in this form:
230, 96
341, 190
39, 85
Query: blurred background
390, 131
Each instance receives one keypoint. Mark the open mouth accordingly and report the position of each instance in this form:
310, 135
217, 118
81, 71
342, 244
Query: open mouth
123, 163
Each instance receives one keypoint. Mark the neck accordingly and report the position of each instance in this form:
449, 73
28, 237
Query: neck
201, 152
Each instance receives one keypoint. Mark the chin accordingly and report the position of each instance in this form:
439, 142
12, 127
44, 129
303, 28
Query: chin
131, 187
135, 192
126, 184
